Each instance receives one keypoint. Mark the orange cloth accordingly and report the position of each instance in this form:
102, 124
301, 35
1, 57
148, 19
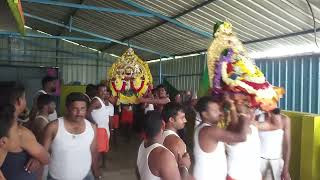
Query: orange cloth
102, 140
115, 122
127, 116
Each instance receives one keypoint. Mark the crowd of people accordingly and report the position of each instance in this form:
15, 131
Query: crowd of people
183, 137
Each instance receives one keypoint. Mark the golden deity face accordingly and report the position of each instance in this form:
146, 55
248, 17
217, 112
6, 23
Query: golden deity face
128, 72
129, 77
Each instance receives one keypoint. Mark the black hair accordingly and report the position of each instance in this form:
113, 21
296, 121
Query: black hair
152, 124
90, 88
153, 91
76, 96
109, 91
202, 104
171, 109
101, 85
161, 86
276, 111
44, 99
47, 79
6, 119
187, 98
10, 93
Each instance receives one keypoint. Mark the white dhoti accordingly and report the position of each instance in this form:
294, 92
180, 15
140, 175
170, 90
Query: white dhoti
271, 169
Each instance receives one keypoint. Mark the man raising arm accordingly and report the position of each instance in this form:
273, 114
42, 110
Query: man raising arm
209, 148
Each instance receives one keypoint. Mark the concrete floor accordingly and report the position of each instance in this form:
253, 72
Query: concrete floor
121, 160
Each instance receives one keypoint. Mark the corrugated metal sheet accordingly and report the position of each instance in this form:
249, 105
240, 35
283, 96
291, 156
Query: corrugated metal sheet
76, 63
252, 20
299, 76
3, 43
183, 74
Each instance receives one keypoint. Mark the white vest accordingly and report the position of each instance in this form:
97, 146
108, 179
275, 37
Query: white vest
143, 161
167, 133
247, 152
271, 144
209, 166
101, 116
70, 153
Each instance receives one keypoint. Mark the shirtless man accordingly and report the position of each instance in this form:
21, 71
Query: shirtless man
46, 105
147, 106
175, 119
158, 101
209, 148
48, 87
17, 164
9, 133
275, 145
154, 160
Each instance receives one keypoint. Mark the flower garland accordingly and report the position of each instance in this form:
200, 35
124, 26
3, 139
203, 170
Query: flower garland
231, 69
217, 76
130, 77
136, 89
123, 87
266, 93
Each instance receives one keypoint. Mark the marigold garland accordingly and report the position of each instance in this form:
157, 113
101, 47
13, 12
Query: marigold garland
129, 78
231, 69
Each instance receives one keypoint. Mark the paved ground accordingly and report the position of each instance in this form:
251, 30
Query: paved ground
121, 160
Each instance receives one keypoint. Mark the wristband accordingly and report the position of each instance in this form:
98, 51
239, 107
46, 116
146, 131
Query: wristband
185, 168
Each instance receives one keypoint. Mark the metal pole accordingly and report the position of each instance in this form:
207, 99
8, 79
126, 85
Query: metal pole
70, 23
160, 71
97, 68
92, 34
57, 46
89, 7
9, 50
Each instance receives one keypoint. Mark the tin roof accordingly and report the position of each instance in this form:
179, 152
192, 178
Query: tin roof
261, 24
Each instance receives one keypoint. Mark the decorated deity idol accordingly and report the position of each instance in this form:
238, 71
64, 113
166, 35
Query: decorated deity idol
231, 69
129, 78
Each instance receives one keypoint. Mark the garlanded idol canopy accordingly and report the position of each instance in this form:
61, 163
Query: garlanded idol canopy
129, 78
231, 69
